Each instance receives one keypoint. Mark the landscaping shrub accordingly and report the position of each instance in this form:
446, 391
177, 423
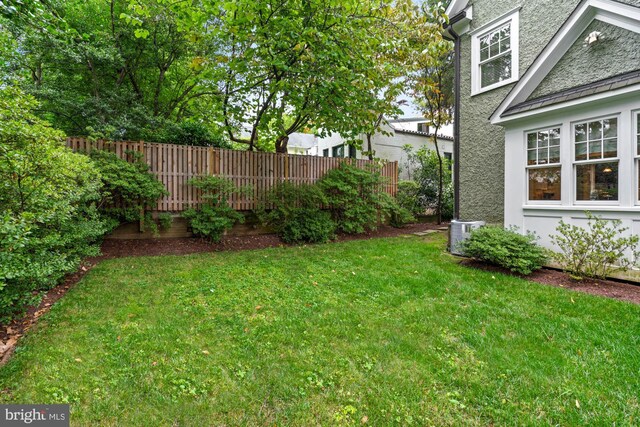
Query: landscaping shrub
307, 225
214, 216
423, 168
48, 215
408, 197
505, 248
355, 197
597, 251
294, 213
128, 188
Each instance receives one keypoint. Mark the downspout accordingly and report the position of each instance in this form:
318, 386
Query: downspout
456, 125
456, 113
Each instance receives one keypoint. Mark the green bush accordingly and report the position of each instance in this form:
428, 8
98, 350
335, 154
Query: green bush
48, 215
408, 197
505, 248
355, 197
129, 190
597, 251
307, 225
284, 208
423, 168
214, 216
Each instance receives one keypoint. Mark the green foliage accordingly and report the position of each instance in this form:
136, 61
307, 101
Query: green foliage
596, 251
48, 217
285, 206
128, 188
408, 197
423, 167
165, 219
214, 216
187, 133
310, 225
398, 215
506, 248
355, 197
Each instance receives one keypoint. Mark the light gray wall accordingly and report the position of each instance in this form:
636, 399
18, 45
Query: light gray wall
482, 144
618, 52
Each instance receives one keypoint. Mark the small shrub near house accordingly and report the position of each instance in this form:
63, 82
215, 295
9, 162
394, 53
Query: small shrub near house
596, 251
214, 216
356, 200
505, 248
295, 213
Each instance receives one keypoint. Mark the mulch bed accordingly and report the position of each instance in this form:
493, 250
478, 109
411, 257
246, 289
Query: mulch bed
546, 276
114, 248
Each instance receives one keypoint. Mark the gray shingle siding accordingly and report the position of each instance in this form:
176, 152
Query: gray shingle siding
482, 144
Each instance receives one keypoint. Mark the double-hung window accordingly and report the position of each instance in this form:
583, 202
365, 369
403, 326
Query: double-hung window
543, 165
495, 55
596, 159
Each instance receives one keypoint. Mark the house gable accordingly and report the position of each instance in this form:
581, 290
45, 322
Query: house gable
556, 56
617, 53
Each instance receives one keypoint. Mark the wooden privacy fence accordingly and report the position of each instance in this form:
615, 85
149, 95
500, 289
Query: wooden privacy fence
174, 165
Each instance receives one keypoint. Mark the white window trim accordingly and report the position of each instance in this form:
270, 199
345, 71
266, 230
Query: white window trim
527, 167
635, 134
575, 163
513, 18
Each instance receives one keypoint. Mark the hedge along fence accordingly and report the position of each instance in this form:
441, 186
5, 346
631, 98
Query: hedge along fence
174, 165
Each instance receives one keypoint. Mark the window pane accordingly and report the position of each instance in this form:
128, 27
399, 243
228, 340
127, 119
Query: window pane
484, 54
544, 184
505, 45
554, 136
494, 37
610, 128
543, 155
543, 139
484, 42
531, 157
532, 140
581, 151
598, 181
554, 155
595, 150
581, 132
494, 50
595, 130
610, 147
495, 70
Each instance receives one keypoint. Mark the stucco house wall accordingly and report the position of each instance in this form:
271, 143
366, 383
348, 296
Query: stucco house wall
481, 143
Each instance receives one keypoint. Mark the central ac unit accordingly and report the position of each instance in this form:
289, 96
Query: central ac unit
460, 231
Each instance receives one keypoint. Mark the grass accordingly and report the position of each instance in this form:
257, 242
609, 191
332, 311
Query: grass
382, 332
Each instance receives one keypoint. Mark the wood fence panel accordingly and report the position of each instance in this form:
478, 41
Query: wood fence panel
174, 165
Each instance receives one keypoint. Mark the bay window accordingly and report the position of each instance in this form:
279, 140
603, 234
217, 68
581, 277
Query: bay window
543, 165
596, 160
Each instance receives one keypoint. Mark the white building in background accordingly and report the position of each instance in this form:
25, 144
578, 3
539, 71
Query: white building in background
302, 143
389, 143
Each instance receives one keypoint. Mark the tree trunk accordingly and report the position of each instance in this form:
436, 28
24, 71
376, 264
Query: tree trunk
369, 146
281, 144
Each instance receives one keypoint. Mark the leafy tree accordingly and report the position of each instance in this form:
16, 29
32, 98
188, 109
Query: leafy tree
434, 185
318, 62
432, 89
96, 75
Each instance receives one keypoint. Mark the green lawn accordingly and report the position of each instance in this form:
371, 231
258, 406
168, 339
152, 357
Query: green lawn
388, 331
